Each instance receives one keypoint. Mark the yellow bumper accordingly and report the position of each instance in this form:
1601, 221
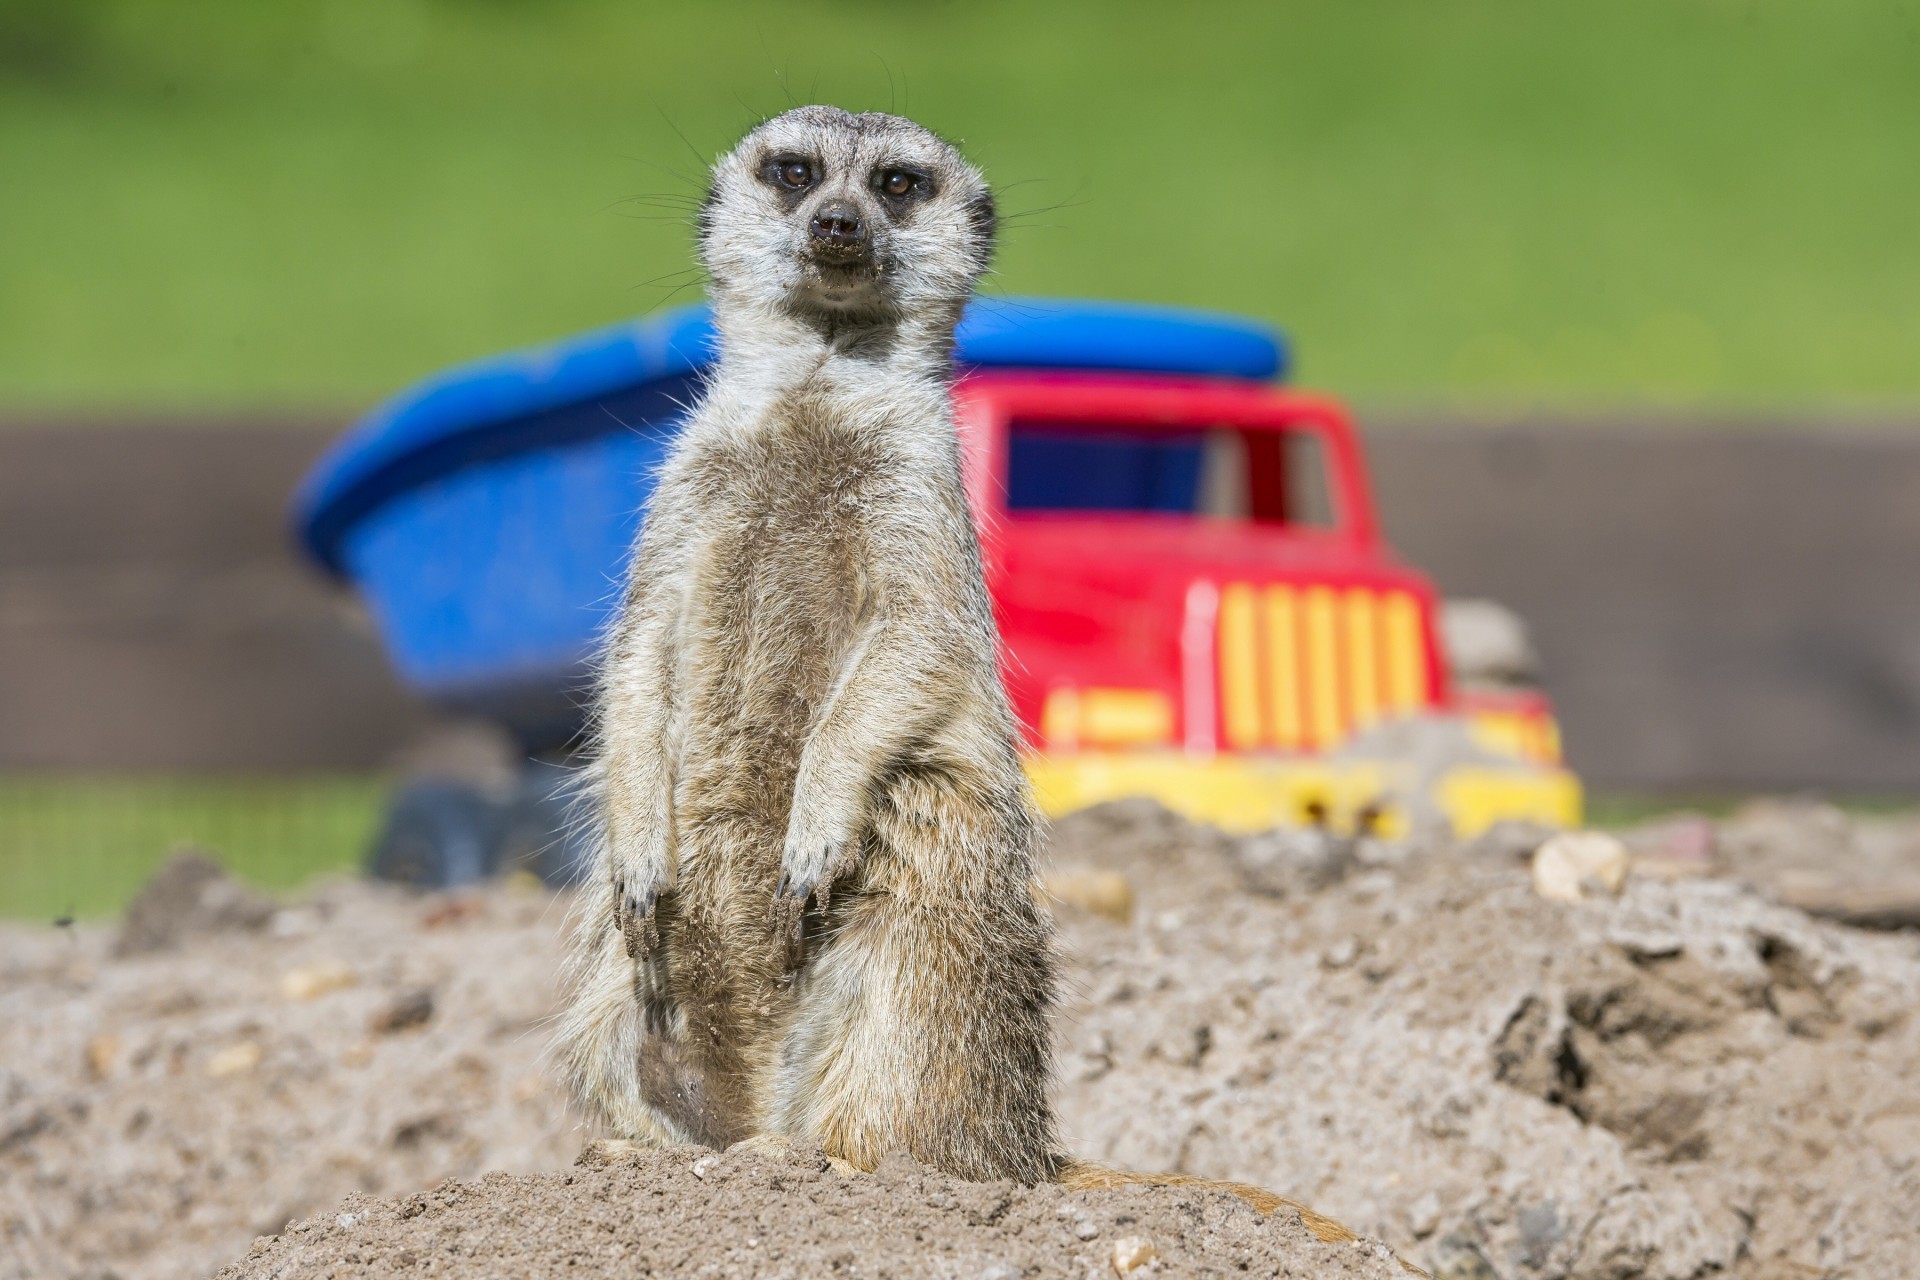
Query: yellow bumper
1245, 793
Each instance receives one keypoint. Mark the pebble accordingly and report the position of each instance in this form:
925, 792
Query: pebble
102, 1051
1579, 864
412, 1009
236, 1059
1130, 1253
1423, 1218
1104, 893
311, 980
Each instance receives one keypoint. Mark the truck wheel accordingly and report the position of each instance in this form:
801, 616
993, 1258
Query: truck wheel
437, 835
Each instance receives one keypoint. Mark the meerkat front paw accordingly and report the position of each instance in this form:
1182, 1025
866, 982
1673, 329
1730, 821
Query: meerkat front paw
808, 865
634, 915
790, 899
640, 864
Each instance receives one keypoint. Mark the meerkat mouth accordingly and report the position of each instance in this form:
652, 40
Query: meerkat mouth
842, 283
854, 265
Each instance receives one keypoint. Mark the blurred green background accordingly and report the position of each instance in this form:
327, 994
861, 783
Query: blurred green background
1466, 204
81, 846
1486, 207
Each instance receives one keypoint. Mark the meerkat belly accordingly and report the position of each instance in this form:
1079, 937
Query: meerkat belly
761, 657
775, 613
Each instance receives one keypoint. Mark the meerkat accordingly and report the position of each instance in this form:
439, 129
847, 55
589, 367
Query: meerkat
812, 913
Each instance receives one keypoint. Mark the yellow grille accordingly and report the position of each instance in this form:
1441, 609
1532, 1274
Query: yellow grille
1302, 667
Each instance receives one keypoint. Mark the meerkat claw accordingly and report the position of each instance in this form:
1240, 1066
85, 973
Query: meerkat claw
789, 929
635, 917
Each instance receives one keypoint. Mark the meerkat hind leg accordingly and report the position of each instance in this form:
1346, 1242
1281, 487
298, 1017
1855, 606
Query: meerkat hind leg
876, 1062
616, 1054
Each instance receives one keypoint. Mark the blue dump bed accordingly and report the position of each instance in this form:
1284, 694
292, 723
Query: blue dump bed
486, 514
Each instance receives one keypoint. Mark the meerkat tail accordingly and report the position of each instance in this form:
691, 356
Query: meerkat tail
1084, 1175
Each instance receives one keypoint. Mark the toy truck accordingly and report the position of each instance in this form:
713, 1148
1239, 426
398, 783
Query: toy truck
1194, 599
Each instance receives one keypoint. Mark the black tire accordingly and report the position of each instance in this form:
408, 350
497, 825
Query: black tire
437, 835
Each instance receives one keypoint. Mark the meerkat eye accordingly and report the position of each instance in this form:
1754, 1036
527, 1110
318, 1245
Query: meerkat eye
790, 173
899, 183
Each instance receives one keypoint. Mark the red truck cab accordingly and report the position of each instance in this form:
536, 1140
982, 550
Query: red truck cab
1195, 603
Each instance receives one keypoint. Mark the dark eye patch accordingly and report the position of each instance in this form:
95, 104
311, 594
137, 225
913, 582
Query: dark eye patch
789, 173
901, 183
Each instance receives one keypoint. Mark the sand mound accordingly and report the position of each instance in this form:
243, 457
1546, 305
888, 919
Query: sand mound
1688, 1080
688, 1212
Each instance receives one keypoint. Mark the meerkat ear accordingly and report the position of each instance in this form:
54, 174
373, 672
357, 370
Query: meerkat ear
986, 221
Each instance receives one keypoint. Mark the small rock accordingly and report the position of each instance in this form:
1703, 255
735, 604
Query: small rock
1487, 645
1104, 893
1458, 1258
703, 1167
410, 1010
1130, 1253
311, 980
1290, 862
453, 909
102, 1051
1578, 864
235, 1059
1341, 954
189, 896
1423, 1218
1540, 1231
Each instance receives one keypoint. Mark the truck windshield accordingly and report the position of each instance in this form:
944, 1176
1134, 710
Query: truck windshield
1220, 473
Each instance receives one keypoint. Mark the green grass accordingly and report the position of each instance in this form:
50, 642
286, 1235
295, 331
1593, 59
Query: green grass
82, 847
1578, 205
1615, 810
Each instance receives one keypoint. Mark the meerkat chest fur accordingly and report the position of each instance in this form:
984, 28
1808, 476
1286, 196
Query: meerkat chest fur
797, 495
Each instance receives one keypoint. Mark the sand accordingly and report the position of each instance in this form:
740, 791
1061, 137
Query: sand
1688, 1080
688, 1212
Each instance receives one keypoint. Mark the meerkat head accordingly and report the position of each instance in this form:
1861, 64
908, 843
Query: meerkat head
845, 218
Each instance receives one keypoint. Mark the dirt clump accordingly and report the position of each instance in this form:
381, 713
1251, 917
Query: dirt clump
1691, 1079
776, 1211
189, 897
1687, 1080
158, 1111
1813, 856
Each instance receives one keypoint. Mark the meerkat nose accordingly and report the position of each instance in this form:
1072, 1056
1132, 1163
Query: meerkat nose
838, 225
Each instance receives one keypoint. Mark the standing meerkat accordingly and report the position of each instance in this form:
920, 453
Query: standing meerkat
812, 911
812, 914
